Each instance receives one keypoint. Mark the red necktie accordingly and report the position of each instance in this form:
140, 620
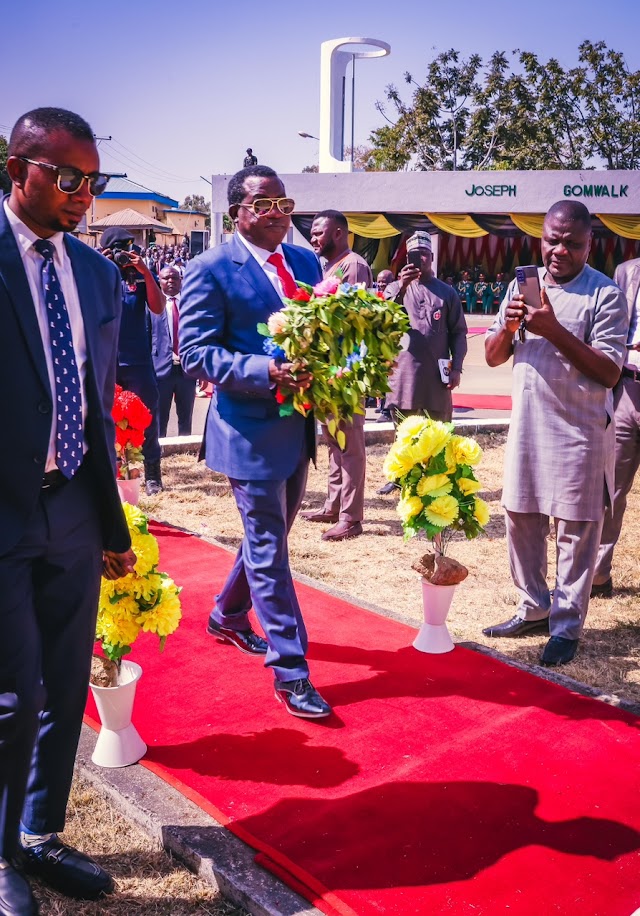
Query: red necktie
175, 323
288, 283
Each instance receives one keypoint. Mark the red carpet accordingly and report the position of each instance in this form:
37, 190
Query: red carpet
443, 784
483, 401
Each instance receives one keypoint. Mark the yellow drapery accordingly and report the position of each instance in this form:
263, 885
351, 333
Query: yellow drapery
529, 223
457, 224
370, 225
626, 226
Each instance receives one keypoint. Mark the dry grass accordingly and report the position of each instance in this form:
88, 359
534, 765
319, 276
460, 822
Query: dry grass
149, 882
376, 567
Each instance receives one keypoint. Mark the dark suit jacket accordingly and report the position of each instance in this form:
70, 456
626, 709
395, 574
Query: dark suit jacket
26, 401
161, 345
225, 295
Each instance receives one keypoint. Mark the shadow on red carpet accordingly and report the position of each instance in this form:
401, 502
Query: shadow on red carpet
442, 784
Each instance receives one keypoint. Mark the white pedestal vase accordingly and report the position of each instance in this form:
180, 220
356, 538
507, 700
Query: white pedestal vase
119, 744
433, 636
129, 490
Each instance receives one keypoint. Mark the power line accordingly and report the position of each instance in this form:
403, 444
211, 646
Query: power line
136, 167
146, 162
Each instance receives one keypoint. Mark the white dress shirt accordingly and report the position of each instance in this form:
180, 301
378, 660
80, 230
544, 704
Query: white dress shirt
262, 256
170, 300
32, 262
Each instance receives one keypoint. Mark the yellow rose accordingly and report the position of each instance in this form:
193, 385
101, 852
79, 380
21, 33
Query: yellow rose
277, 322
481, 511
442, 511
431, 441
135, 517
410, 428
467, 486
434, 485
467, 451
164, 618
398, 462
146, 550
409, 507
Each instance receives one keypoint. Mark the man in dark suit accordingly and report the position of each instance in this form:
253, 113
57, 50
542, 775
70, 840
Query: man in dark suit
61, 521
227, 291
173, 381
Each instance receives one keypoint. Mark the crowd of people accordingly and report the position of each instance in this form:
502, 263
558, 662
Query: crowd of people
477, 291
75, 320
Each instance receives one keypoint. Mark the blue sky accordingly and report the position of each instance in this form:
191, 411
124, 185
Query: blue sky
184, 87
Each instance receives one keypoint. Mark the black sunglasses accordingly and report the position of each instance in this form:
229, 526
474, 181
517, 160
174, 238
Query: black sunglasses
69, 180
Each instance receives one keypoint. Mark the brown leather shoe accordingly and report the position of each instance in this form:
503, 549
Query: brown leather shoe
342, 531
318, 515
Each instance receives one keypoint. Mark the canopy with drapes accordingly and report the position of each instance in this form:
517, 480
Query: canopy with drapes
493, 243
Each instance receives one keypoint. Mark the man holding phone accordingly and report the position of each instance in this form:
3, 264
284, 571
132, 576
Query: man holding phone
438, 333
568, 347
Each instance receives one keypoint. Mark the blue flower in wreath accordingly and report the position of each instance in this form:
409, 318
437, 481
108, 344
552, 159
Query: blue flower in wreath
271, 348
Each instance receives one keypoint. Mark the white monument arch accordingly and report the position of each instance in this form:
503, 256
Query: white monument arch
335, 57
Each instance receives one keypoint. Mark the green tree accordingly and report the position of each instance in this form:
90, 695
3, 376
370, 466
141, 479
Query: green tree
607, 97
433, 128
197, 202
5, 181
518, 113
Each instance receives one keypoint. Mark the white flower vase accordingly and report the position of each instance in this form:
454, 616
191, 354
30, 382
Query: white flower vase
129, 490
118, 744
433, 636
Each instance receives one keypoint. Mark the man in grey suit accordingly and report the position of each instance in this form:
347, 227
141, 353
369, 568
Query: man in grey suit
61, 521
227, 291
567, 355
626, 400
173, 381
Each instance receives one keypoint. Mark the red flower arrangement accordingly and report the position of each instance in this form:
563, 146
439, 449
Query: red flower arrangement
131, 417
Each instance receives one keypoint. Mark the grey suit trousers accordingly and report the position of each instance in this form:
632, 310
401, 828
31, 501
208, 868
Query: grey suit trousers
626, 401
347, 469
576, 550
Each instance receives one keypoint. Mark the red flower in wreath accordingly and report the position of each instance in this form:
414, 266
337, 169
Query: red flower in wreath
301, 295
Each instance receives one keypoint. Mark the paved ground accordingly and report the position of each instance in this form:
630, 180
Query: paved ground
477, 378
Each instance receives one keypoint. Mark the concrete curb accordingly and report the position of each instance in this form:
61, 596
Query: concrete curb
374, 434
209, 849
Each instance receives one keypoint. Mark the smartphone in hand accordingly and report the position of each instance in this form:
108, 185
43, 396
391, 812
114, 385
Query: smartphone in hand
413, 258
528, 282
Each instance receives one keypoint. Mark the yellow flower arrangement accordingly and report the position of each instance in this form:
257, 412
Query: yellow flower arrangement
145, 600
434, 470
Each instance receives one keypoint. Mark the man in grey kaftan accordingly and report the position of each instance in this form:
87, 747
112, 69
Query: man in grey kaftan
559, 460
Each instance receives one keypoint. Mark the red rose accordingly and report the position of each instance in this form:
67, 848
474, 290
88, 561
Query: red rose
135, 410
136, 437
281, 397
301, 295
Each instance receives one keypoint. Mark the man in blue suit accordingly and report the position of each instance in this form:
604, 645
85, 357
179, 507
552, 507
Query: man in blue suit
173, 381
61, 522
227, 291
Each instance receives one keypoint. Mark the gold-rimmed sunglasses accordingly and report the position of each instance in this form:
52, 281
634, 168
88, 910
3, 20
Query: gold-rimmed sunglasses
263, 206
69, 180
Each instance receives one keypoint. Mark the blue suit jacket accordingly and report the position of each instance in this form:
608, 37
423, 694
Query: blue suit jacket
224, 295
26, 404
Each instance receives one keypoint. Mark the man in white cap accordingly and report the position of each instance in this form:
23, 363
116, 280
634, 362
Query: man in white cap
438, 332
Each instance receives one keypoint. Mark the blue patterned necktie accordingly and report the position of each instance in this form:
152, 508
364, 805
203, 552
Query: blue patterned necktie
65, 370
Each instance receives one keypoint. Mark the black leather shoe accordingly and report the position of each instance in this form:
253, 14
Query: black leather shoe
558, 651
302, 699
604, 590
152, 478
517, 627
16, 898
65, 869
387, 489
245, 640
